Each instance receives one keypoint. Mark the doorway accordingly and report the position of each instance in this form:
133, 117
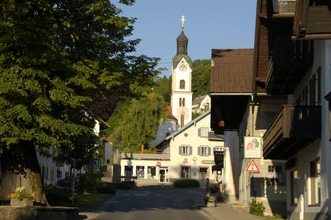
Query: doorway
163, 175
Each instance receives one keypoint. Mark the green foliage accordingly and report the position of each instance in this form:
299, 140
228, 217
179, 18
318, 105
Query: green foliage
122, 185
57, 59
57, 196
163, 88
276, 216
256, 208
184, 183
106, 188
136, 122
201, 78
88, 182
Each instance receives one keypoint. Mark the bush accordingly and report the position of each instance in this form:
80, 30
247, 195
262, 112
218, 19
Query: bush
106, 188
88, 182
57, 196
184, 183
122, 185
256, 208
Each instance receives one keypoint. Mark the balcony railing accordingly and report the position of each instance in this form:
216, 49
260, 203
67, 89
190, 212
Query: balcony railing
137, 156
288, 64
293, 129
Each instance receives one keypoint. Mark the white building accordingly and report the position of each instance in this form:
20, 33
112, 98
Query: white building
187, 153
201, 104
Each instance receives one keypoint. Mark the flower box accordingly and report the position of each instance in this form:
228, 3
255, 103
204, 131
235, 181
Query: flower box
21, 202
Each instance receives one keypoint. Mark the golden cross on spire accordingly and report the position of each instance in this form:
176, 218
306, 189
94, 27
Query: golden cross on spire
183, 20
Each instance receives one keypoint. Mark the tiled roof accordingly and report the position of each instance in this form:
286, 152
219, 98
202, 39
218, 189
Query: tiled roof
232, 71
198, 100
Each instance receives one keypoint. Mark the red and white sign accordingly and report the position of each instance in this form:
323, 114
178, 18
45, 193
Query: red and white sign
252, 167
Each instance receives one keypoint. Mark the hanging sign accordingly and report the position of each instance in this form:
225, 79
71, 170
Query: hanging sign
252, 167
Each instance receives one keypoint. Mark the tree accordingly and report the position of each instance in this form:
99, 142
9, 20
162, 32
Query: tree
163, 88
58, 58
136, 122
201, 79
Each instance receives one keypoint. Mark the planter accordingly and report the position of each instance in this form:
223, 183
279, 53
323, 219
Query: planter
21, 203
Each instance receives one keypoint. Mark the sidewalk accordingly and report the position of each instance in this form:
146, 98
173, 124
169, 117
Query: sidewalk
225, 211
222, 210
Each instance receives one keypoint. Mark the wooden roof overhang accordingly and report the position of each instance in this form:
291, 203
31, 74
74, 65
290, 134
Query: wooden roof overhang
227, 111
312, 20
231, 87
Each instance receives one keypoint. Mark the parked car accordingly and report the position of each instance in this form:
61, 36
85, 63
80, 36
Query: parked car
65, 182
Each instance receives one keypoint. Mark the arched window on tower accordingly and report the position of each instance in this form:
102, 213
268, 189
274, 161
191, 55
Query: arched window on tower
182, 84
181, 102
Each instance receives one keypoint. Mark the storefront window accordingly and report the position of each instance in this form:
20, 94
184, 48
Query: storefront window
151, 172
140, 172
185, 172
128, 172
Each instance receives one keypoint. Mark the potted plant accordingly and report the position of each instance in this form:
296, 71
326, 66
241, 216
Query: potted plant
21, 197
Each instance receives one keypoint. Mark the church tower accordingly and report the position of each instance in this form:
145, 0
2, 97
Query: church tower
181, 70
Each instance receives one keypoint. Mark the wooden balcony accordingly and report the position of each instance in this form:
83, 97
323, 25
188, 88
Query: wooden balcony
292, 130
288, 64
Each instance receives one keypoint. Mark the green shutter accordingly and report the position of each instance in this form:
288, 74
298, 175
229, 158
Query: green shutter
214, 148
199, 150
209, 150
190, 150
199, 132
180, 149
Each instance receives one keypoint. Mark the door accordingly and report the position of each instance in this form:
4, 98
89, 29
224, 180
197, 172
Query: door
163, 175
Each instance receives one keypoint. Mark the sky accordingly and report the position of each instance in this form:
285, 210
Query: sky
209, 24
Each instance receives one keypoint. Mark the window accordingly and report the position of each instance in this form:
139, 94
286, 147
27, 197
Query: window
151, 172
275, 174
182, 84
204, 151
185, 150
185, 172
203, 132
181, 102
319, 93
128, 172
218, 148
312, 90
294, 187
140, 172
52, 174
315, 183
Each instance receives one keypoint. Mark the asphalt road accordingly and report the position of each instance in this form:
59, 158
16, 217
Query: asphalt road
153, 204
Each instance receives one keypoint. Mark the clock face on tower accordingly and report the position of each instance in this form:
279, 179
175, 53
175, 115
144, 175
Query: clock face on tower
183, 66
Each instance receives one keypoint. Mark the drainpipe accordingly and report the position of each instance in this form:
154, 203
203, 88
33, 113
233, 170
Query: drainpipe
252, 115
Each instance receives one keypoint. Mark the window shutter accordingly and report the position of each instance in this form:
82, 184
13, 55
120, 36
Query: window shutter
180, 149
199, 132
199, 150
214, 148
209, 150
190, 150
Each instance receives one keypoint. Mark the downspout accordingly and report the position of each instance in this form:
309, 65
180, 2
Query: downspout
252, 114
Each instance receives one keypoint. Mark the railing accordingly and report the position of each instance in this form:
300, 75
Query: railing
137, 156
289, 59
293, 122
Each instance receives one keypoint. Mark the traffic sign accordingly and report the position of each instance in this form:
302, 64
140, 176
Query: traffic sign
252, 167
95, 163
